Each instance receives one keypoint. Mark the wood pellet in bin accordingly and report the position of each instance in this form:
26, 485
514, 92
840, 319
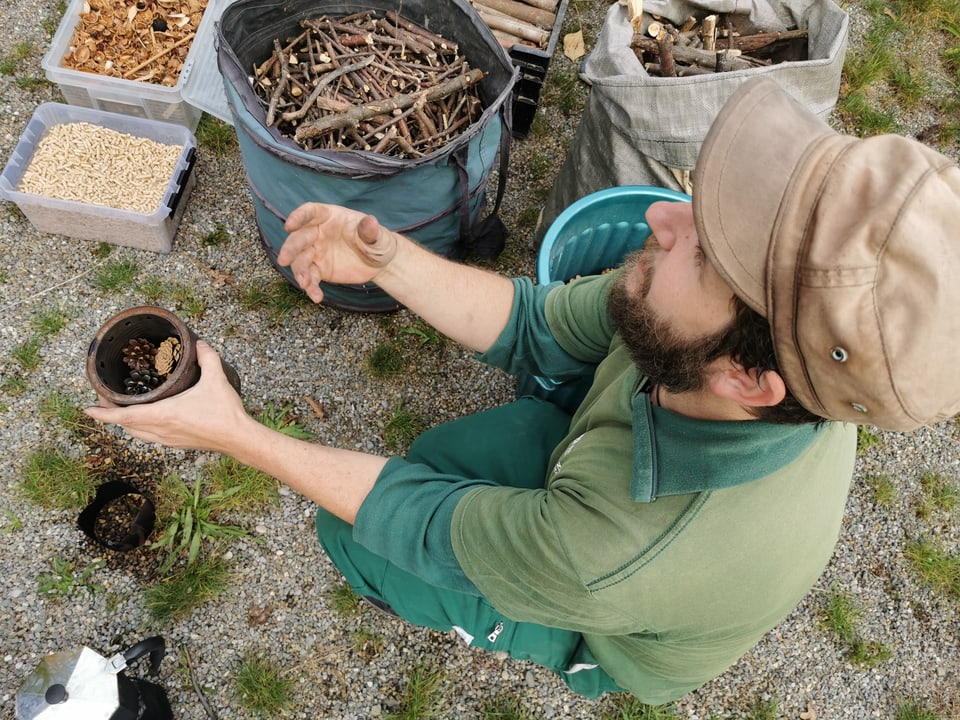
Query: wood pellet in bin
102, 176
87, 163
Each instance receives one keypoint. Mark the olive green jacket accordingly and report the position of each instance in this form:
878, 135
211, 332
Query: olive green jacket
671, 544
670, 591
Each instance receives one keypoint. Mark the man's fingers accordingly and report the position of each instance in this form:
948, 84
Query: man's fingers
304, 215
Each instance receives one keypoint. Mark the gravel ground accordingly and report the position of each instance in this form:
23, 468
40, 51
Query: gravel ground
318, 354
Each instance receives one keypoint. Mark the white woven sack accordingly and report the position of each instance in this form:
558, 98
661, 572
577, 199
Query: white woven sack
639, 129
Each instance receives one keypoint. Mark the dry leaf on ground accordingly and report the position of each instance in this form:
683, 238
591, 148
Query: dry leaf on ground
573, 46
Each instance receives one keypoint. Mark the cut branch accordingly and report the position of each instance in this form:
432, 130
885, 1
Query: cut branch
359, 113
532, 15
697, 56
514, 27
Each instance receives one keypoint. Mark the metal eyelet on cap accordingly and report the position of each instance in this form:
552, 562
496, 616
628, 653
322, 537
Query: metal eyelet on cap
858, 407
839, 354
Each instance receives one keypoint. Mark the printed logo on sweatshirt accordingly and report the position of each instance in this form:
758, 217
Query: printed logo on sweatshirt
559, 465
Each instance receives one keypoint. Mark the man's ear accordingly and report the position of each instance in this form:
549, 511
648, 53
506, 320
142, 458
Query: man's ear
747, 387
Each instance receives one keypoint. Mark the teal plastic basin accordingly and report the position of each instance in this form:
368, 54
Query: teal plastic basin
597, 231
592, 235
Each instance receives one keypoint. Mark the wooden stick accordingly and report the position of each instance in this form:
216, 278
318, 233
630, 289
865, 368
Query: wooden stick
324, 81
507, 40
542, 4
757, 41
635, 14
359, 113
409, 40
708, 32
282, 85
441, 44
182, 41
514, 27
665, 43
532, 15
683, 71
696, 56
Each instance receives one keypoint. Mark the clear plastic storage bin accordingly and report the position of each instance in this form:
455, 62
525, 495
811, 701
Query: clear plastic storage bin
128, 97
148, 231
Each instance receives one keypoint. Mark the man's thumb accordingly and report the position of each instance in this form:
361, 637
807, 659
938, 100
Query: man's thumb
206, 355
368, 229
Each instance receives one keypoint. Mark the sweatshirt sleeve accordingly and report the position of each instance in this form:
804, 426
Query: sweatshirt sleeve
406, 519
560, 331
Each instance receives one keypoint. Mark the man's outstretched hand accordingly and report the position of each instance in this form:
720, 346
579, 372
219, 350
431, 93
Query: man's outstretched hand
336, 245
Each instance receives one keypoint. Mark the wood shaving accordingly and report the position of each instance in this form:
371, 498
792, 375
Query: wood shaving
117, 40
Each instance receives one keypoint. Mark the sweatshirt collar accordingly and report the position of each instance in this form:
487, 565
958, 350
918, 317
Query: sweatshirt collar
674, 454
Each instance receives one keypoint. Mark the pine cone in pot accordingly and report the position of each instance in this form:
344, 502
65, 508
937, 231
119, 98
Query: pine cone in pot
142, 381
139, 353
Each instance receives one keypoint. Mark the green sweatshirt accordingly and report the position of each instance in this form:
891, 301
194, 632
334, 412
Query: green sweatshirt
672, 544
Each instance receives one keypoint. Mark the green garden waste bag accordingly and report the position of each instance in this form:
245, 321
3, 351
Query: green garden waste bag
439, 200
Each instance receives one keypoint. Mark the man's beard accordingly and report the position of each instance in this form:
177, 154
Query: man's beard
658, 351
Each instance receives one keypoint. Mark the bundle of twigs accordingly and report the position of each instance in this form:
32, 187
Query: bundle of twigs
365, 82
706, 46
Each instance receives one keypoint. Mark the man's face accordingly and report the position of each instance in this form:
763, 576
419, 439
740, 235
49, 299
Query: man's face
669, 303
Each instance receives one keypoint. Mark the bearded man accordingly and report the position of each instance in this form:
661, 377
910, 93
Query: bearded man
695, 495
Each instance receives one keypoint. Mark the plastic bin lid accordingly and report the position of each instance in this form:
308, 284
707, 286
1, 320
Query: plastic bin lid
203, 88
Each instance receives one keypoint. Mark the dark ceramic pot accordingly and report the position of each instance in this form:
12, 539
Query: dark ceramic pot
106, 369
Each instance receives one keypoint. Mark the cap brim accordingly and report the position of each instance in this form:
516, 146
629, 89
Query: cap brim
745, 166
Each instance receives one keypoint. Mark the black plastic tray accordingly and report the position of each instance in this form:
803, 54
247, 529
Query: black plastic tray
533, 64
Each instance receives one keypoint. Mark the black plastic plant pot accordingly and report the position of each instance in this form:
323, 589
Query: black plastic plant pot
109, 372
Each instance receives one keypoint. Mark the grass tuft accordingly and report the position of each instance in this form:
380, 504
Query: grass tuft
217, 237
192, 520
385, 360
239, 486
27, 353
936, 567
344, 600
278, 299
884, 490
53, 480
49, 322
841, 616
366, 643
867, 439
182, 591
282, 420
116, 275
55, 405
913, 710
14, 385
505, 706
624, 706
66, 579
11, 523
422, 698
938, 493
402, 428
216, 135
11, 61
263, 686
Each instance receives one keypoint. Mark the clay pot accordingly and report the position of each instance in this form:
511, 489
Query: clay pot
106, 369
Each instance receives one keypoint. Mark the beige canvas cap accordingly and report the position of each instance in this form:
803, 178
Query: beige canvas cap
849, 247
